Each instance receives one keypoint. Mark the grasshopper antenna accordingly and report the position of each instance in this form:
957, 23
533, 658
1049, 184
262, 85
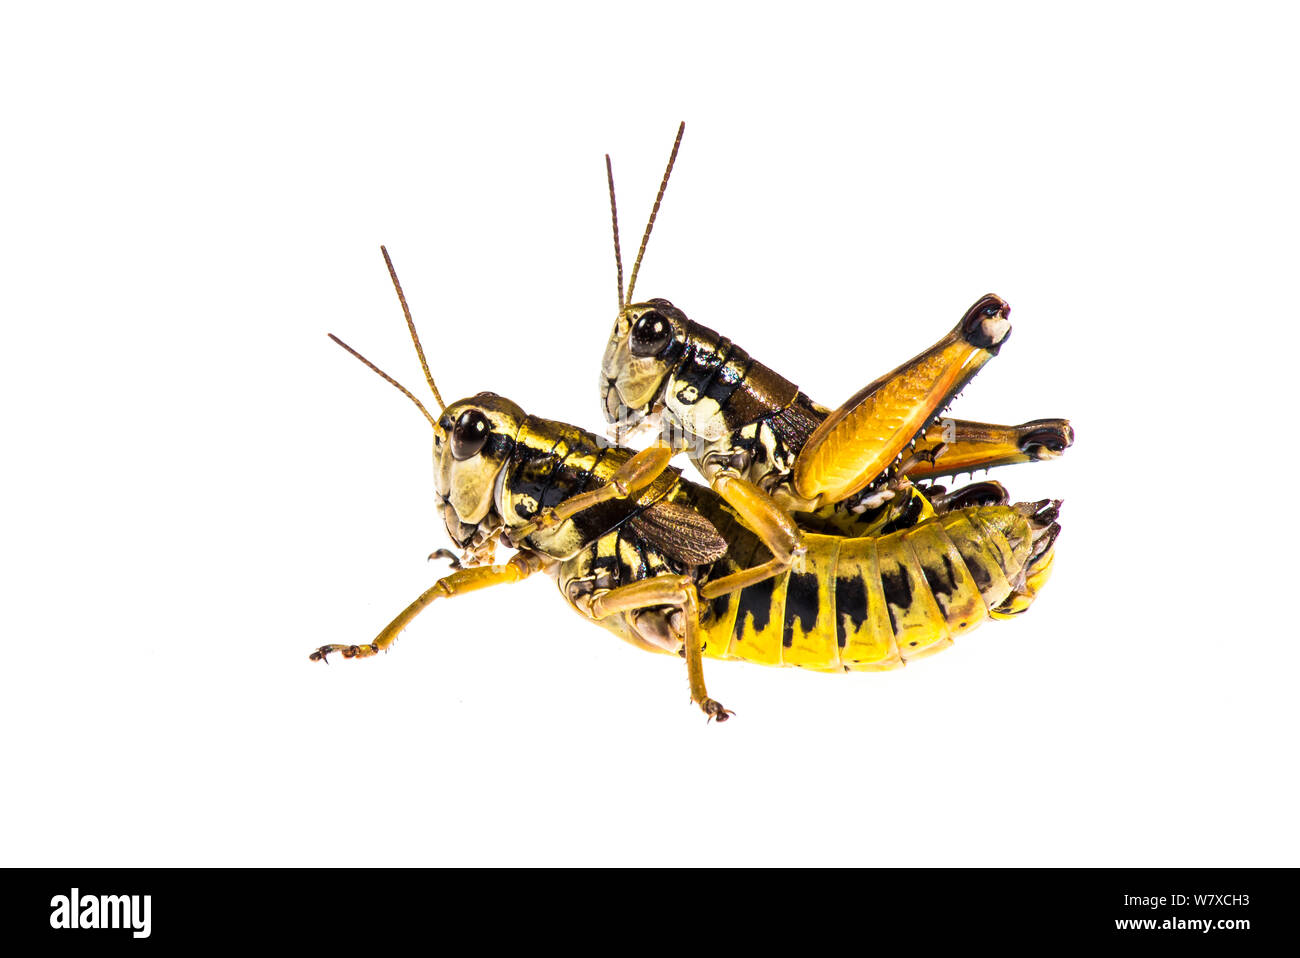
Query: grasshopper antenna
409, 395
672, 158
613, 215
415, 337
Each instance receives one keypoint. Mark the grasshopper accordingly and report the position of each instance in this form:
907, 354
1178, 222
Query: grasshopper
673, 566
850, 469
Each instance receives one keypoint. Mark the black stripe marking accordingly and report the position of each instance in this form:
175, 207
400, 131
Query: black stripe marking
729, 377
644, 569
802, 597
755, 601
942, 582
719, 606
907, 518
983, 581
705, 355
851, 601
972, 556
898, 592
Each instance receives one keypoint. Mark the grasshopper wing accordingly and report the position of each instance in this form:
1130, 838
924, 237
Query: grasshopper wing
680, 533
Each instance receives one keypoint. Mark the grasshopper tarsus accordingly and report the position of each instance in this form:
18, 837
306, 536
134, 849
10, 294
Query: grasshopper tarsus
448, 555
715, 710
347, 651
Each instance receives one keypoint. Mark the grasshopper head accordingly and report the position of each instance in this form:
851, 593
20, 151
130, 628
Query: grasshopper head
648, 337
473, 441
648, 340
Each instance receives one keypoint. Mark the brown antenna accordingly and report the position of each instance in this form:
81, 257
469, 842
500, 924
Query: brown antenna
672, 158
415, 337
409, 395
613, 215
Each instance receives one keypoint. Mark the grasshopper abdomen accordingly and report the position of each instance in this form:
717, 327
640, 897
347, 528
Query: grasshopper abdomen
872, 603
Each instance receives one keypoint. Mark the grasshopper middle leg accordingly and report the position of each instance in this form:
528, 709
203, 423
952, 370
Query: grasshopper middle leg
678, 592
772, 524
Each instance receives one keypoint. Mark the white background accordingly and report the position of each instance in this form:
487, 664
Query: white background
199, 488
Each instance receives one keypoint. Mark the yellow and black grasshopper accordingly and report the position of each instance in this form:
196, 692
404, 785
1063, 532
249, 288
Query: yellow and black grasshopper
671, 566
848, 470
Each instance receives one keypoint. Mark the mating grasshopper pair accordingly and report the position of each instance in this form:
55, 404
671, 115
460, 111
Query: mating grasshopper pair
811, 546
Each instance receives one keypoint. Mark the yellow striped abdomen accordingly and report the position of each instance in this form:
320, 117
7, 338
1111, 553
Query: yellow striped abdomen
875, 603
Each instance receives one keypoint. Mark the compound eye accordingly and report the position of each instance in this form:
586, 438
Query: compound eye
651, 334
469, 435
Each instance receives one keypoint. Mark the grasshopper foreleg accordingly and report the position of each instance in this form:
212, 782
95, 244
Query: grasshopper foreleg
630, 478
520, 566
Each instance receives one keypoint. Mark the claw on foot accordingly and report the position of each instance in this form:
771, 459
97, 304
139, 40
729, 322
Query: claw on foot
348, 652
714, 710
448, 555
